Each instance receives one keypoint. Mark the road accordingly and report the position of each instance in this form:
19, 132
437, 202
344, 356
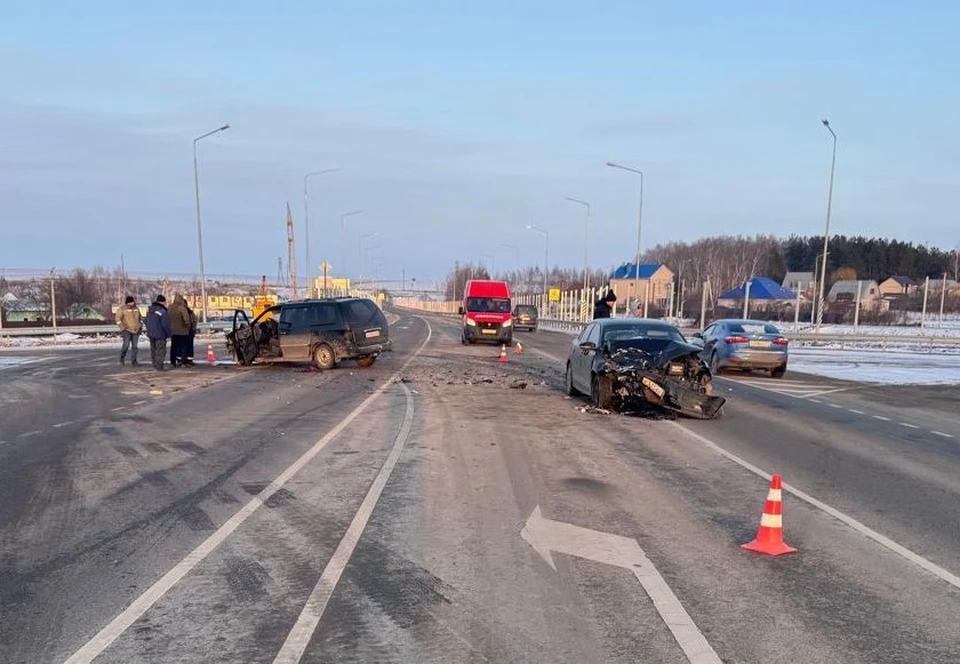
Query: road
443, 507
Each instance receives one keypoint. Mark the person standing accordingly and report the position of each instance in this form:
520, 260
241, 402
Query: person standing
158, 331
603, 308
191, 337
180, 326
130, 323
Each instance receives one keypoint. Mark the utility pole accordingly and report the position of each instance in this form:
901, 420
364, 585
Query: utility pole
53, 301
826, 235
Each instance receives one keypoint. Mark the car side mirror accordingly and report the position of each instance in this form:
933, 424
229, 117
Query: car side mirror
460, 311
588, 346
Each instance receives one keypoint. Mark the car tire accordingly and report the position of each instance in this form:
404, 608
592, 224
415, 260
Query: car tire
600, 395
366, 361
568, 382
714, 364
778, 372
324, 357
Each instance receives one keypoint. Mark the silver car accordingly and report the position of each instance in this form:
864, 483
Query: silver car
744, 344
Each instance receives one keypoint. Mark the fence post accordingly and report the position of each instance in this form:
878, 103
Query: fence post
856, 308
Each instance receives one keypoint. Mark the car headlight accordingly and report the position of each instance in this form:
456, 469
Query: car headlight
507, 323
471, 322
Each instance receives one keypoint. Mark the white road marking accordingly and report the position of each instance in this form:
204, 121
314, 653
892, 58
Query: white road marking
63, 424
908, 425
883, 540
858, 412
78, 396
882, 418
28, 434
547, 535
102, 640
139, 403
815, 400
299, 637
113, 410
834, 405
940, 433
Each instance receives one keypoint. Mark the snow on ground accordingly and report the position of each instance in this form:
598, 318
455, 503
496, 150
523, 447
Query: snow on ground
931, 329
875, 366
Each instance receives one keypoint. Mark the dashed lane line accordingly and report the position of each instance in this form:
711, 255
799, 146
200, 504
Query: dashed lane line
858, 412
881, 418
63, 424
92, 649
834, 405
881, 539
29, 434
908, 425
942, 434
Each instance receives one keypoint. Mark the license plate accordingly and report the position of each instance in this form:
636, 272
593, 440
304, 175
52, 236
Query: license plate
761, 344
373, 333
653, 387
488, 331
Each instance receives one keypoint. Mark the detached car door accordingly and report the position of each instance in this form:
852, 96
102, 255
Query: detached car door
242, 340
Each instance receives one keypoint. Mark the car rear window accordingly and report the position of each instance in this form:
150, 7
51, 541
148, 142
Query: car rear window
754, 328
526, 309
361, 312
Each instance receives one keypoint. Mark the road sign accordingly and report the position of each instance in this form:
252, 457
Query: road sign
554, 295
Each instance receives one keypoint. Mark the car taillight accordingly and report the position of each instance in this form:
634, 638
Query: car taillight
781, 341
736, 340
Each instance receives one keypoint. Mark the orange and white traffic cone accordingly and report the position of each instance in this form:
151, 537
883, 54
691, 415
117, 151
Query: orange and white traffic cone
769, 539
211, 358
518, 349
503, 353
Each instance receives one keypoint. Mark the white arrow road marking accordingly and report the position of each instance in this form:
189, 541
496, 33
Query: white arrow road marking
547, 536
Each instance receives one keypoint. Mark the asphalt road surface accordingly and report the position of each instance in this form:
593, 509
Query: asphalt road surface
441, 506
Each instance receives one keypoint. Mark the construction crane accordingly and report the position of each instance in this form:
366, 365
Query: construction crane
291, 255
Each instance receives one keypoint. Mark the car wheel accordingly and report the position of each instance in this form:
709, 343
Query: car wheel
714, 364
366, 361
708, 388
600, 394
324, 357
778, 372
568, 379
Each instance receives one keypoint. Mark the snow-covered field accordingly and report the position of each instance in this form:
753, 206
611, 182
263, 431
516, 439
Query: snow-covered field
875, 366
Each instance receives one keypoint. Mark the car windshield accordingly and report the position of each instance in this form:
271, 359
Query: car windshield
636, 335
488, 304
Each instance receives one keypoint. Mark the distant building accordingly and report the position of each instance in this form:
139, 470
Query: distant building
898, 285
657, 278
846, 291
798, 281
763, 294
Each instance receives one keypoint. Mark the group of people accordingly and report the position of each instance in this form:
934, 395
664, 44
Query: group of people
178, 324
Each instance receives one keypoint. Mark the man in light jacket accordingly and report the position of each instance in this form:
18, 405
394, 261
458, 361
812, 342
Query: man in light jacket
130, 323
158, 331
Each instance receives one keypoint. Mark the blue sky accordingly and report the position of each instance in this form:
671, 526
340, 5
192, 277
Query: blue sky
455, 125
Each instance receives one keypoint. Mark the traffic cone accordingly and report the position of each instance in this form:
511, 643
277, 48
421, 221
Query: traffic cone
518, 349
211, 358
769, 539
503, 353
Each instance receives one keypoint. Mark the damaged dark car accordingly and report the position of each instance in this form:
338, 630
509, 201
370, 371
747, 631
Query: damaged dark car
634, 364
324, 331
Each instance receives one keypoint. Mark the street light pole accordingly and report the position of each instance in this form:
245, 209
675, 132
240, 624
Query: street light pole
343, 231
360, 251
586, 245
546, 257
306, 219
826, 234
639, 220
196, 192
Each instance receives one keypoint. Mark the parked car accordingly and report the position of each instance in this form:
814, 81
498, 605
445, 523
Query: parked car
626, 363
324, 331
745, 344
486, 313
525, 317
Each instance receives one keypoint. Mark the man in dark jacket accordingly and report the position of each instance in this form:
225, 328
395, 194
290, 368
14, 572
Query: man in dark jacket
603, 308
158, 331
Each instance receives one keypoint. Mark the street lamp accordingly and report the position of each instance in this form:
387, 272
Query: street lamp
306, 219
546, 257
586, 244
639, 218
516, 252
360, 250
196, 192
343, 230
826, 234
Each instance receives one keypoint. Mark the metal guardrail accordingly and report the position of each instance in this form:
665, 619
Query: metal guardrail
89, 330
805, 337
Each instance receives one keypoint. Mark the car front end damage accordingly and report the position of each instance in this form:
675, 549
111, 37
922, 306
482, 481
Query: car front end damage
675, 379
